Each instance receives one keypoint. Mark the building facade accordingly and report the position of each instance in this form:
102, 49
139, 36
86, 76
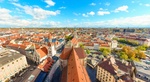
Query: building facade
11, 63
112, 70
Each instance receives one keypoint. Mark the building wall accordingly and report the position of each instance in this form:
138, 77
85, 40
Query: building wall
114, 44
139, 80
52, 71
63, 63
53, 51
11, 68
96, 46
36, 57
83, 62
146, 43
104, 76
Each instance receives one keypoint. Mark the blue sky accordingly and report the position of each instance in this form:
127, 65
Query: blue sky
74, 13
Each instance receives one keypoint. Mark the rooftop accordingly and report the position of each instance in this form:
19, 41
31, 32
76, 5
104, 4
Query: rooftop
7, 55
67, 51
74, 72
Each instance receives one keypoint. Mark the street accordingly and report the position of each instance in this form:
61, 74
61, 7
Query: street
23, 75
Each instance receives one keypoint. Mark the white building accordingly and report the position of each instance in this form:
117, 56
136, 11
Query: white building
96, 46
11, 62
53, 50
114, 44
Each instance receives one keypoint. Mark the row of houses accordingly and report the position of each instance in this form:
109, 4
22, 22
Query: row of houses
39, 47
135, 37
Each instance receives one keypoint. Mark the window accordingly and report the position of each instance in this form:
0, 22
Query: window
2, 67
20, 58
12, 62
109, 79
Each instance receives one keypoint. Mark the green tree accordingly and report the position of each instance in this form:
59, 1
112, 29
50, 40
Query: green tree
87, 51
81, 45
120, 45
68, 37
124, 56
105, 53
134, 59
105, 49
142, 47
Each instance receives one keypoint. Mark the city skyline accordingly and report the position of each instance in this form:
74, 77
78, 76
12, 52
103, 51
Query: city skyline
74, 13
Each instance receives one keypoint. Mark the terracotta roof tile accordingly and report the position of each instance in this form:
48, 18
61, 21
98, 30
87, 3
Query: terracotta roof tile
76, 72
43, 51
46, 64
108, 67
74, 41
104, 45
66, 53
17, 45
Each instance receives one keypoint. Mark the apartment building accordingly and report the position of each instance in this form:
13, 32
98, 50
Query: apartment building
112, 70
11, 63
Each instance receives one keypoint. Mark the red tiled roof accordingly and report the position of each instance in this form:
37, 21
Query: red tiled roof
108, 67
66, 53
46, 64
36, 46
49, 44
76, 72
104, 45
74, 41
43, 51
17, 45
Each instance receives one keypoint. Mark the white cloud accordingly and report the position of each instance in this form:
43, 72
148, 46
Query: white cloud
85, 15
91, 13
122, 8
107, 4
103, 13
88, 13
137, 21
147, 5
93, 4
37, 12
77, 14
7, 20
4, 14
49, 3
62, 7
